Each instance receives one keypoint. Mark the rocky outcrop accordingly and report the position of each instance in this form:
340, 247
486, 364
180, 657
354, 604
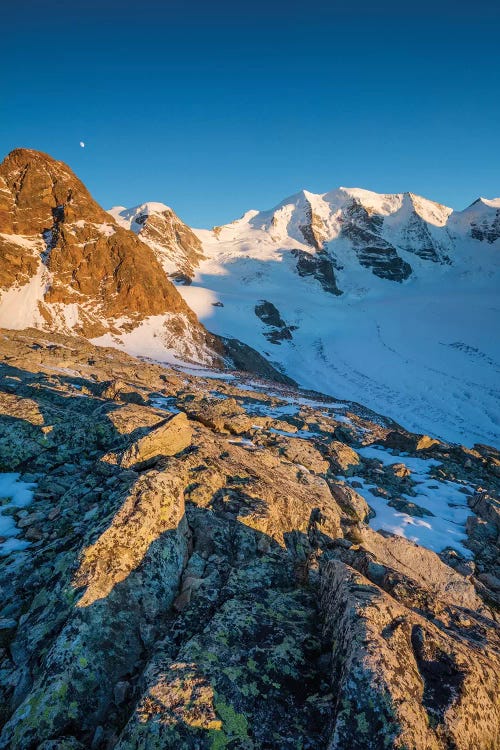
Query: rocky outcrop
277, 330
313, 229
343, 459
224, 415
485, 231
423, 568
320, 266
167, 439
419, 227
416, 238
232, 594
351, 502
302, 453
485, 224
269, 314
400, 680
484, 534
406, 441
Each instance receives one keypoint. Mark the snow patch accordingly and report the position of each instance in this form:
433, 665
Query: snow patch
444, 499
19, 305
14, 494
162, 338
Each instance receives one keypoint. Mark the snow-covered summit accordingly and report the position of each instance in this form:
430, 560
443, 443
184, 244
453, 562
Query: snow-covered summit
491, 202
354, 229
134, 218
175, 245
481, 220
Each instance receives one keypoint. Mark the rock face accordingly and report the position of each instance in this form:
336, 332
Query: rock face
363, 229
66, 264
400, 680
481, 220
277, 329
195, 571
313, 228
416, 236
320, 267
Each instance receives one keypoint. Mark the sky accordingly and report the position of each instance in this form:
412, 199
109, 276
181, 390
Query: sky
218, 107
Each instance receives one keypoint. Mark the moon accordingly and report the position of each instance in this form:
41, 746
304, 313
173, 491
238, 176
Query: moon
82, 144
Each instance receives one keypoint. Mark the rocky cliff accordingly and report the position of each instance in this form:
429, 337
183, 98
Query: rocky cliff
67, 265
203, 563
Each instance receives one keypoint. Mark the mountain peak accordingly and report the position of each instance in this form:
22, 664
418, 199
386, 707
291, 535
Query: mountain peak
175, 245
33, 160
480, 202
67, 265
490, 202
29, 153
133, 218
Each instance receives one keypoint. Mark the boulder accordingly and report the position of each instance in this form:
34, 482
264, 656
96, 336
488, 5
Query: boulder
300, 451
408, 442
400, 470
120, 391
423, 567
350, 501
223, 415
168, 439
343, 459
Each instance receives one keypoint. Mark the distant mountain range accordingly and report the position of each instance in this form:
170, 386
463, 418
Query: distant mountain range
389, 300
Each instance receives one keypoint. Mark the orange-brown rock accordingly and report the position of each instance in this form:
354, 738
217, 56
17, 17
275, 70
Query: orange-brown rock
49, 222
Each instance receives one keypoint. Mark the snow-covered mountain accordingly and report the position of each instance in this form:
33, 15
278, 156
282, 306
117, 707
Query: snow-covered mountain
67, 266
389, 300
176, 246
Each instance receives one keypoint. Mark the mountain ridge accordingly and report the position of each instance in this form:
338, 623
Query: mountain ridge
379, 304
68, 266
368, 290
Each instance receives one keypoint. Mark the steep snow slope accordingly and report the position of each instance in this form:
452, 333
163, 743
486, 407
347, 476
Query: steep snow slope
389, 300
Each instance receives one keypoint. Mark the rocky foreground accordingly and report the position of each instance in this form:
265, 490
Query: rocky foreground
197, 569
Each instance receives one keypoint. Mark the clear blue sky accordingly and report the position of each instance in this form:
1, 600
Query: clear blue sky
218, 107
